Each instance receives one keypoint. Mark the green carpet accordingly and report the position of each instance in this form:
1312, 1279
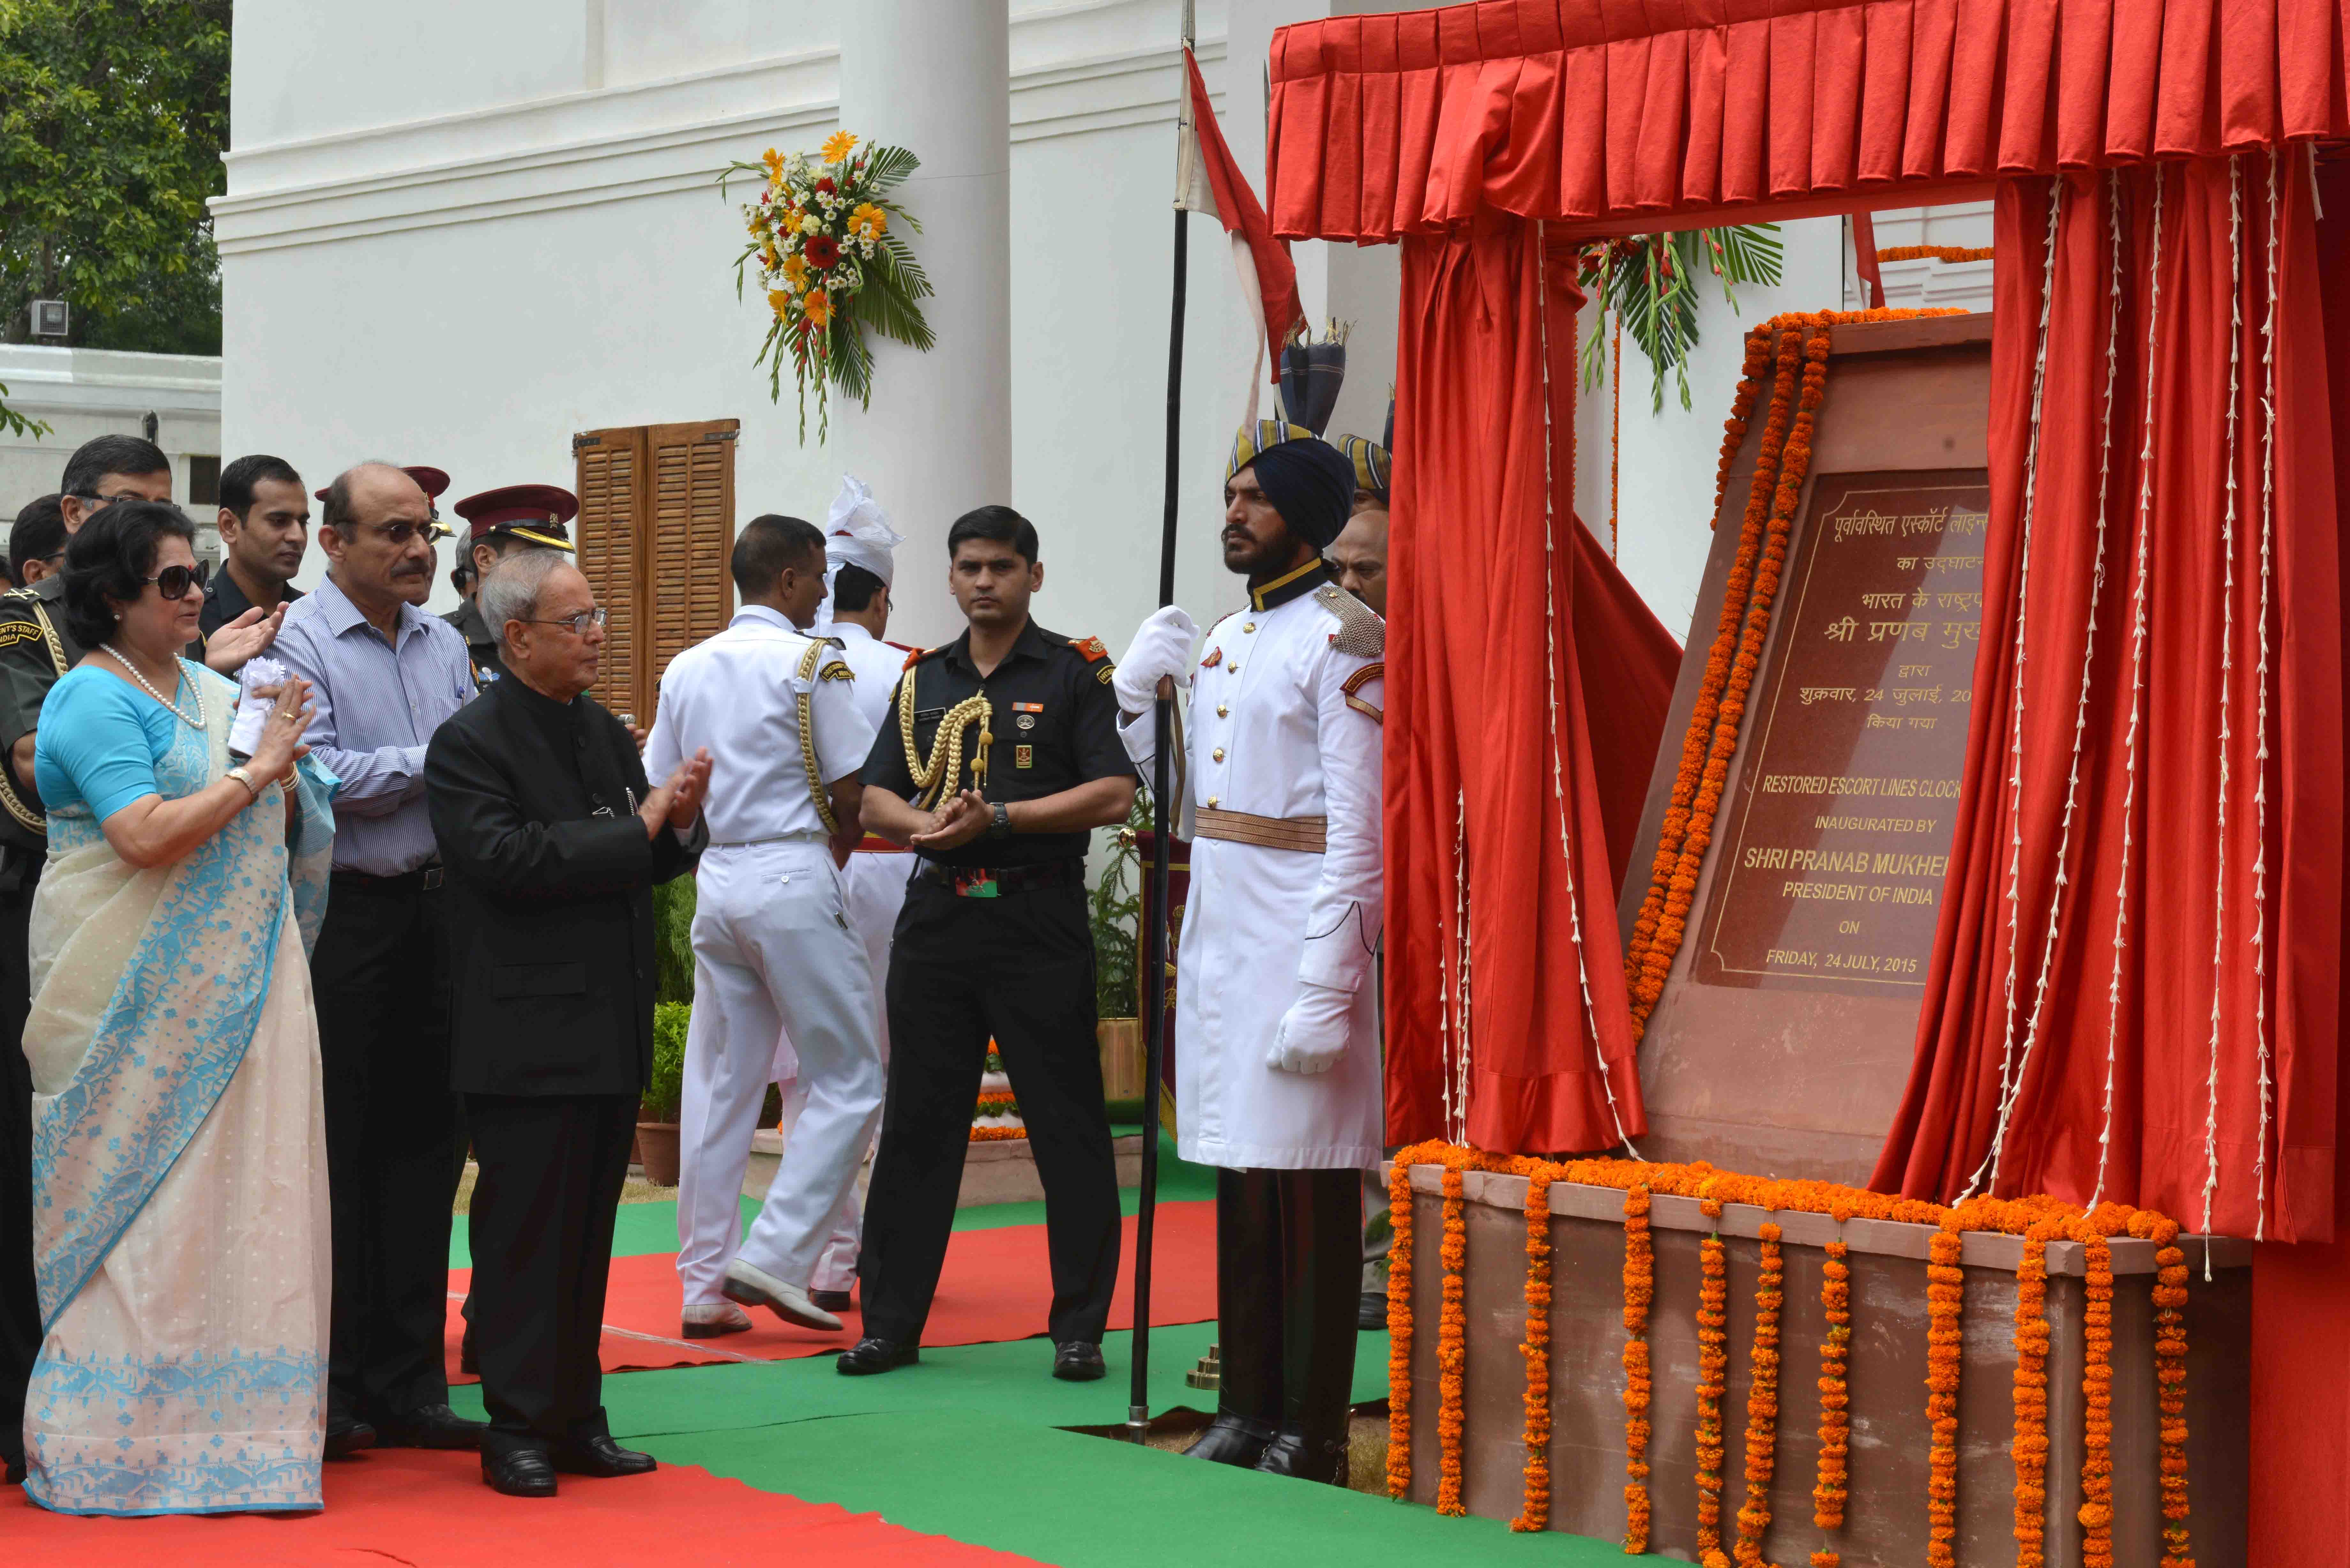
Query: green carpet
975, 1473
645, 1228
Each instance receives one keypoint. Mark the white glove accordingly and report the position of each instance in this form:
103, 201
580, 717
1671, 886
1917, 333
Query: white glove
1312, 1036
1162, 650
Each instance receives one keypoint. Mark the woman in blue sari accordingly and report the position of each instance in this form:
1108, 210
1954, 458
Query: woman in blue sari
179, 1161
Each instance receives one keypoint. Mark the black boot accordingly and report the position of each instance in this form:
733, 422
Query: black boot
1321, 1287
1247, 1319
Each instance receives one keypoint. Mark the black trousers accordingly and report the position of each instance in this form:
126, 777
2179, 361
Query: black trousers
1018, 968
1288, 1279
380, 972
20, 1307
551, 1170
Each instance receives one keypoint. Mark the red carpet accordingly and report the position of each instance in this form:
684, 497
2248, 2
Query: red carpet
431, 1511
997, 1285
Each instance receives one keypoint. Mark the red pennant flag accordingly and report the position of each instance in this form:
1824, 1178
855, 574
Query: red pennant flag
1208, 180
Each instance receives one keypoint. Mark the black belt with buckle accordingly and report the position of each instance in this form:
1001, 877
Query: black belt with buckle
995, 881
423, 879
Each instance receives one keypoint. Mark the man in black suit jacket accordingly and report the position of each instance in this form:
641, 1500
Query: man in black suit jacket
552, 840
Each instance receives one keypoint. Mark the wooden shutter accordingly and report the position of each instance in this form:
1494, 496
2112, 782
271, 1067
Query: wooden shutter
691, 539
610, 467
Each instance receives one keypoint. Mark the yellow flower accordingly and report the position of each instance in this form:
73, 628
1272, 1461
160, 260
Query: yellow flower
778, 301
819, 306
767, 258
775, 162
868, 221
839, 145
796, 271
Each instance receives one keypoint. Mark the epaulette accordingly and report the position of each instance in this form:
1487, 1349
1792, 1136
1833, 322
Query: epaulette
1361, 632
1091, 646
915, 656
26, 592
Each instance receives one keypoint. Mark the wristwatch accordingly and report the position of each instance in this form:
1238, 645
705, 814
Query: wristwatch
244, 777
1001, 827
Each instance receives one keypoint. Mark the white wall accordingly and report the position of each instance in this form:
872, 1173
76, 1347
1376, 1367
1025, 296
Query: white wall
83, 393
463, 257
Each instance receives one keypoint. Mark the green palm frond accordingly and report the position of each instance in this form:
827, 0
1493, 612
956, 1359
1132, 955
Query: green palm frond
889, 166
1650, 283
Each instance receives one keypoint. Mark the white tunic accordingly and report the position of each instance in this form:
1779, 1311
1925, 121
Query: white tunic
1273, 730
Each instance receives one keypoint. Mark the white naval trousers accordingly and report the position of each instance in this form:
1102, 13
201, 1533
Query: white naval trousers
876, 892
772, 949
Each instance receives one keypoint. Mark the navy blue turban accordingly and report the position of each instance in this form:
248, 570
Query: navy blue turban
1311, 484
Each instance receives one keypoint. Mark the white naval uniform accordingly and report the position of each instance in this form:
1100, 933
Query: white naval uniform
1273, 730
772, 945
876, 892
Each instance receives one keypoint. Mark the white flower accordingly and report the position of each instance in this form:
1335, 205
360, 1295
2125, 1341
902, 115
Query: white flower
811, 224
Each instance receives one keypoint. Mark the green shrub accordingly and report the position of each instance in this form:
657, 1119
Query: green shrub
673, 939
668, 1086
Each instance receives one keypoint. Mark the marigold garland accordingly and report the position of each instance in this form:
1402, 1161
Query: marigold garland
1713, 1368
1763, 1402
1783, 458
1742, 408
2030, 1447
1536, 1349
1400, 1331
2170, 1378
1452, 1347
1640, 1291
2098, 1421
1935, 253
1945, 1297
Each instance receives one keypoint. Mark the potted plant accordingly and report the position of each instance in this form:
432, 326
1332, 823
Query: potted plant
673, 1010
657, 1117
1114, 913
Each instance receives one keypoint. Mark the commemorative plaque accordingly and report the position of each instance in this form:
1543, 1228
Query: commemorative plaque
1784, 1033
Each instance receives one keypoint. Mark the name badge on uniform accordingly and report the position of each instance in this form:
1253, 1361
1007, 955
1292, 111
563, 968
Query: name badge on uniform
1024, 756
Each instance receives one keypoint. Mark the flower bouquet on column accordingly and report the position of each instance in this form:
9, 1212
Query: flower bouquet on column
824, 236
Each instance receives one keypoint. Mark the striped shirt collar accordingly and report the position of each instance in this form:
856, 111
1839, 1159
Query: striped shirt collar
341, 614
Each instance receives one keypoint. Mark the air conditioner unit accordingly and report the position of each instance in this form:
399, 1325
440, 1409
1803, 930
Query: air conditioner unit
50, 319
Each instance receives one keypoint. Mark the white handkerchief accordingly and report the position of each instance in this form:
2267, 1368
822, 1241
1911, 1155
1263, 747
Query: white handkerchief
253, 710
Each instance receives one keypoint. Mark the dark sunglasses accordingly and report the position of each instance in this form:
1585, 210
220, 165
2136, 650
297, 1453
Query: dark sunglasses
173, 582
398, 534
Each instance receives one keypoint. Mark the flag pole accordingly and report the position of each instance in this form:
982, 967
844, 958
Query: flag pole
1155, 917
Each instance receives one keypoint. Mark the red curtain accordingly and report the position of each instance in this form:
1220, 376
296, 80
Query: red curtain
2300, 1296
2142, 916
1512, 643
1593, 111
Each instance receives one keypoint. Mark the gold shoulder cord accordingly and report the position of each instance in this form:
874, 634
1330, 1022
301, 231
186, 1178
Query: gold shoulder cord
806, 703
27, 817
936, 778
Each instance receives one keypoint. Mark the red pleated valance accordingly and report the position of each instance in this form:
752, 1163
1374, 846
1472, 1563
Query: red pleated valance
1599, 111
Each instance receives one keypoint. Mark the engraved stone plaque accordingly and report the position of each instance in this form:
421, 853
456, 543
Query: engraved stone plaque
1835, 840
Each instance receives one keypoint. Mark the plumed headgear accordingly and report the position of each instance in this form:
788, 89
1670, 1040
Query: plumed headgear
1311, 484
1311, 376
857, 533
1372, 467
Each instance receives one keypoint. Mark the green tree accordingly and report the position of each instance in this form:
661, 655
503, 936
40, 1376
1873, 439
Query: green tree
113, 114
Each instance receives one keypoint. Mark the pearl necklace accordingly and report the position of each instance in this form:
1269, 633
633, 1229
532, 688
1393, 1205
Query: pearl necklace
195, 723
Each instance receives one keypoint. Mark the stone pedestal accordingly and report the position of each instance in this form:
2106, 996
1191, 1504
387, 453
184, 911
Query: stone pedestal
1001, 1170
1886, 1511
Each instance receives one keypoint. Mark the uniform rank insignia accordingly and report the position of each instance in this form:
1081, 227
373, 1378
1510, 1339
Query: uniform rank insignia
1213, 659
1091, 646
1024, 756
838, 673
1026, 719
16, 631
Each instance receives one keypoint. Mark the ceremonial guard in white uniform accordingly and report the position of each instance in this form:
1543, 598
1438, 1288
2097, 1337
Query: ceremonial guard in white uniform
1278, 1079
771, 944
859, 570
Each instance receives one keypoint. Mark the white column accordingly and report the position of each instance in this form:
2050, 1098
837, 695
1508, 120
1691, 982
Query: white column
933, 76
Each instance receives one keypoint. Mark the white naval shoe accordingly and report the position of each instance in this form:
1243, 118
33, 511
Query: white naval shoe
708, 1320
755, 1287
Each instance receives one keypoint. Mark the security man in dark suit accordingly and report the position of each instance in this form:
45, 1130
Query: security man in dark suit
1000, 758
552, 840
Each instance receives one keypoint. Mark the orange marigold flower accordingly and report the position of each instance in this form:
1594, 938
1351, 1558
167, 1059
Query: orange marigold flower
839, 145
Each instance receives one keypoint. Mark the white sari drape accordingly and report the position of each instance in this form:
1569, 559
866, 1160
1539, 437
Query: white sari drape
179, 1160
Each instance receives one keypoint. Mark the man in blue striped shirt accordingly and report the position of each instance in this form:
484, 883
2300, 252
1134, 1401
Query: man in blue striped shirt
384, 675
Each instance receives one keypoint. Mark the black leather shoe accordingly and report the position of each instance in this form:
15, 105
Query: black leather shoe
1231, 1439
1371, 1313
600, 1456
832, 1301
518, 1472
869, 1355
345, 1437
1077, 1361
13, 1472
429, 1427
1291, 1453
